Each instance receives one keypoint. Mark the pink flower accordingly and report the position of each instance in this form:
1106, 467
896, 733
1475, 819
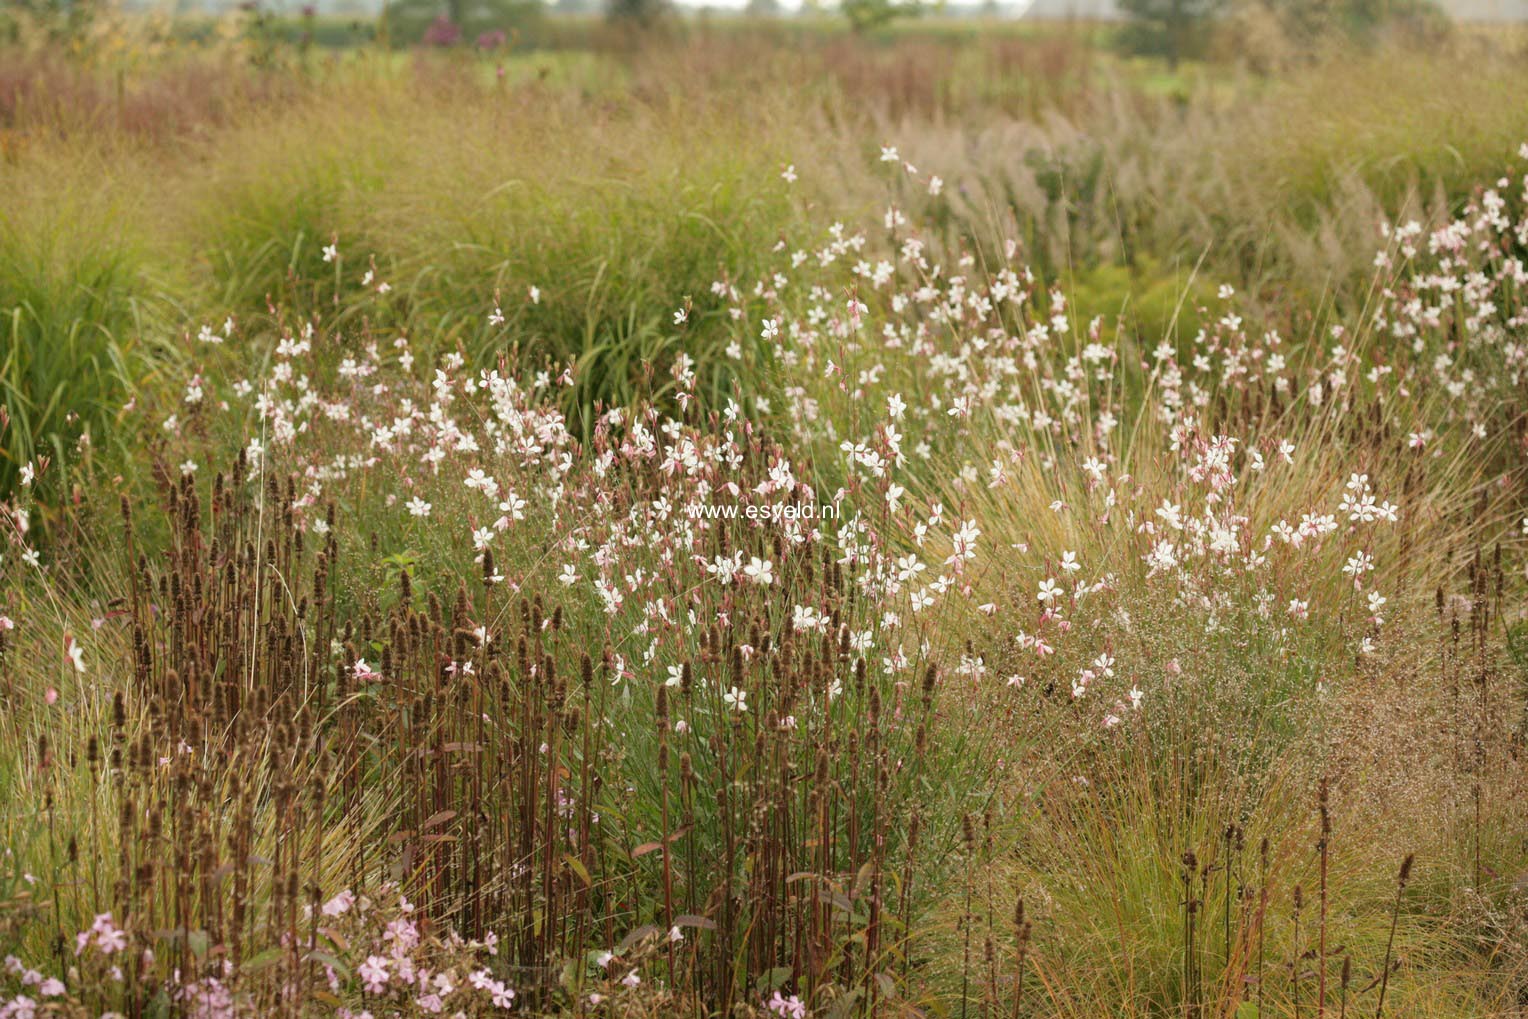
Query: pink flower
373, 974
340, 904
108, 937
786, 1008
403, 932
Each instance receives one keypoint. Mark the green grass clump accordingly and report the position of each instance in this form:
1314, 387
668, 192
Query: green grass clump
80, 325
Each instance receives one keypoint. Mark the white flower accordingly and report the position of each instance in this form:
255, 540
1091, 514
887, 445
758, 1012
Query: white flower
736, 700
1171, 514
760, 571
417, 507
74, 653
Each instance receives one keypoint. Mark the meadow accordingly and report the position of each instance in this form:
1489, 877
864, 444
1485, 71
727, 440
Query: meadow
749, 519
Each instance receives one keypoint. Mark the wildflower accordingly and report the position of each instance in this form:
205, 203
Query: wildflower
373, 974
340, 904
74, 653
1357, 565
760, 571
786, 1008
736, 700
108, 937
1376, 602
964, 542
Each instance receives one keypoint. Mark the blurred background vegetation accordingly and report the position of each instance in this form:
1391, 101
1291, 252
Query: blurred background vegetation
162, 165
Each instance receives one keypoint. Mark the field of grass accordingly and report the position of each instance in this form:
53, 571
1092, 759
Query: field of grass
751, 520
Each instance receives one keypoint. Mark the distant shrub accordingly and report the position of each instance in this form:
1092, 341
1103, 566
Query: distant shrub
450, 22
1175, 29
